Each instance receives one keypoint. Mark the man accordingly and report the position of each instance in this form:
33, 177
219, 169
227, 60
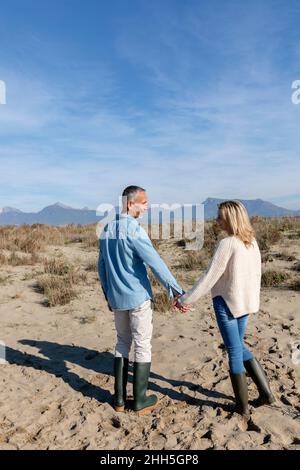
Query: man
125, 249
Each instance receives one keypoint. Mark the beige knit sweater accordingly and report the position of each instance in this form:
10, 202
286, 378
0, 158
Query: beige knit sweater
234, 273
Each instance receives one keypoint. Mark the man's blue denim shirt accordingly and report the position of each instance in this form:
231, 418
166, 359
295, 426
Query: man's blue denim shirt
125, 250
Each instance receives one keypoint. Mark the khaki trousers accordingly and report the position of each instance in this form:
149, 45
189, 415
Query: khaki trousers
134, 326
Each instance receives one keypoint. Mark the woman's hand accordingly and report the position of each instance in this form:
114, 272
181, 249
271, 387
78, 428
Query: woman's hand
180, 307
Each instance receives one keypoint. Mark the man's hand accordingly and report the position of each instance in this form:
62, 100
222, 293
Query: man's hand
178, 307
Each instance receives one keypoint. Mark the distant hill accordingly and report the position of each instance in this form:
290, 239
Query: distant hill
60, 214
56, 214
253, 206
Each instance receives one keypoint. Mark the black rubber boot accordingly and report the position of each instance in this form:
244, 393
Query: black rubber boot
121, 378
240, 388
142, 404
258, 376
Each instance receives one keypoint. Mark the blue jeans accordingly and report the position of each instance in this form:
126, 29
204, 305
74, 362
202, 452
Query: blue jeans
232, 331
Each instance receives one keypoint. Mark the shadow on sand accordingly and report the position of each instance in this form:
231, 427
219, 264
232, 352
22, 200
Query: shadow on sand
58, 355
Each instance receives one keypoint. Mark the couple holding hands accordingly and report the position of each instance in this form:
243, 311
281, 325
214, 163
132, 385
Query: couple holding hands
233, 277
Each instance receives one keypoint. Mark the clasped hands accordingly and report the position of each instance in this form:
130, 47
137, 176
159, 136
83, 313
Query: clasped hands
183, 308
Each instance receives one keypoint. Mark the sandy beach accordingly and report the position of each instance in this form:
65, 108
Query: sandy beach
57, 384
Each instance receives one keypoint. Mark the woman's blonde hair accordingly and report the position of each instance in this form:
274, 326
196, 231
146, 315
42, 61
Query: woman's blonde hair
236, 217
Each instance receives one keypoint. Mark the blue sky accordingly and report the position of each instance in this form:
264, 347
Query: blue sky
189, 99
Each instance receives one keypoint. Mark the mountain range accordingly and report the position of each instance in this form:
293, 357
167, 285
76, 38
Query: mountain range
60, 214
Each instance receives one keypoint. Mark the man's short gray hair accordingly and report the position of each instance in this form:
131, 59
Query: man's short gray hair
130, 192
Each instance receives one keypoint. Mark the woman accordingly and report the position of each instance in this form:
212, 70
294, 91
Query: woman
234, 276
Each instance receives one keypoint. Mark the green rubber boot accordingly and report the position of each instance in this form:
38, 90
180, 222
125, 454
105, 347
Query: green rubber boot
258, 376
142, 404
121, 378
240, 388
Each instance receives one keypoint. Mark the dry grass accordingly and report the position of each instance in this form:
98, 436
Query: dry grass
34, 258
85, 234
162, 303
87, 319
3, 280
73, 233
3, 259
283, 224
29, 238
35, 238
294, 235
92, 266
31, 275
270, 230
62, 267
58, 290
296, 267
194, 260
266, 235
59, 281
91, 241
58, 266
14, 259
212, 234
273, 278
23, 245
74, 239
266, 258
295, 285
285, 256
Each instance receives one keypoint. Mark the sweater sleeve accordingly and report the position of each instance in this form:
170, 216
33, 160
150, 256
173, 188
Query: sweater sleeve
214, 271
